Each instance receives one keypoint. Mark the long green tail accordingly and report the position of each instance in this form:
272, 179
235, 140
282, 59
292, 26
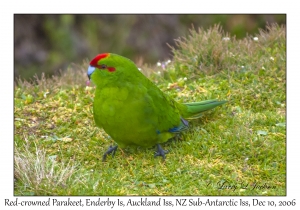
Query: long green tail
193, 110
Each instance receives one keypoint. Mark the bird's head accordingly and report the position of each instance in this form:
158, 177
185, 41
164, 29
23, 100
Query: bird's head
108, 66
100, 62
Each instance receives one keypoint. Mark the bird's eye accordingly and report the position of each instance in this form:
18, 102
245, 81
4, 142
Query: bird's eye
103, 66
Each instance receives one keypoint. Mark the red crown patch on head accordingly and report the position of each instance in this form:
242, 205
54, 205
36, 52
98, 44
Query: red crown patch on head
95, 60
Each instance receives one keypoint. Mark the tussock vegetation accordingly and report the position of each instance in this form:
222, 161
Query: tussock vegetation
40, 172
213, 50
58, 148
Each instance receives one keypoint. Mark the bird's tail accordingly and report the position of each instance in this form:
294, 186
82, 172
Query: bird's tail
193, 110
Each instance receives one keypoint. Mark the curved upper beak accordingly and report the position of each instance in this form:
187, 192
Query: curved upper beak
90, 70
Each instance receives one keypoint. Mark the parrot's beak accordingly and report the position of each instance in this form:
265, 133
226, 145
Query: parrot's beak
90, 70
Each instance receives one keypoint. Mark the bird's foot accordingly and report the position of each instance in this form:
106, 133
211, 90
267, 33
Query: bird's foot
161, 152
111, 150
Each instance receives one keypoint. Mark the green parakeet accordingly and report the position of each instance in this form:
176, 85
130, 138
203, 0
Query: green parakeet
132, 110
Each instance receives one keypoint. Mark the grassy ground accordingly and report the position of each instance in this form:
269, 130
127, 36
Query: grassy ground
236, 149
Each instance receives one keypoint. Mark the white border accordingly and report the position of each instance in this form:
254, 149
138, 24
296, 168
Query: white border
293, 89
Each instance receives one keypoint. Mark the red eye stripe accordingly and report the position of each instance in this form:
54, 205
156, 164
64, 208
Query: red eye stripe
111, 69
95, 60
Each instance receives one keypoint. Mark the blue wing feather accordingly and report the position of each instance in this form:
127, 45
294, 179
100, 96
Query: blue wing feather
184, 125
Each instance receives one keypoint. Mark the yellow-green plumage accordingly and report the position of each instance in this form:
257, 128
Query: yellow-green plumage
131, 109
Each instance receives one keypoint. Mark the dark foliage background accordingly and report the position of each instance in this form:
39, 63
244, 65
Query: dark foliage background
49, 43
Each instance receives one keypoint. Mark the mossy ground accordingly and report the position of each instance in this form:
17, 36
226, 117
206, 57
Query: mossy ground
58, 149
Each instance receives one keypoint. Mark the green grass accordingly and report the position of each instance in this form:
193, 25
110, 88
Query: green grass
58, 148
